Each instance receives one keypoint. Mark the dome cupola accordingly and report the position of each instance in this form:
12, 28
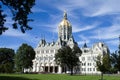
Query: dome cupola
65, 22
64, 28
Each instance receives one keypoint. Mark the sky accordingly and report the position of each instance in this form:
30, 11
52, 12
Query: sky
92, 21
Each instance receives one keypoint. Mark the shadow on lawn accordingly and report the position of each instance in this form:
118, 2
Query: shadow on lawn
14, 78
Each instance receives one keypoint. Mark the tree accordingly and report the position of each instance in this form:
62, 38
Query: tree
24, 56
114, 62
69, 57
20, 10
6, 60
115, 59
103, 64
118, 61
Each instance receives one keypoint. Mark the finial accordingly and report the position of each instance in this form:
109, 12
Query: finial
65, 14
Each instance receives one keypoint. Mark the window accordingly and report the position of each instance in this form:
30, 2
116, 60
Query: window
90, 69
90, 64
37, 58
84, 64
52, 51
94, 58
94, 64
46, 58
38, 52
85, 51
64, 36
51, 57
83, 58
42, 51
89, 58
96, 49
93, 69
102, 45
47, 51
84, 69
41, 58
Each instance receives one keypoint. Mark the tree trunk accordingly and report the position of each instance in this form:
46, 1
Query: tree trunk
101, 75
22, 70
71, 71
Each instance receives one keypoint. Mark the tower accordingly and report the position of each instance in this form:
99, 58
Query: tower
65, 29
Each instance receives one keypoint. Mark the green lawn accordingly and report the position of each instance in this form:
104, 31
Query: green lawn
55, 77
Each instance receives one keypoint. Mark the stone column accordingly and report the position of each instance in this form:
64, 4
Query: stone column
53, 69
49, 68
44, 68
33, 67
40, 68
37, 68
59, 69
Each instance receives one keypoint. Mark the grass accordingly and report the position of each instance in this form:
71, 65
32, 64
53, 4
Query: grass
55, 77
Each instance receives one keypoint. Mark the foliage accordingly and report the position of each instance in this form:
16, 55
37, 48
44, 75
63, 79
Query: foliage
68, 57
2, 21
115, 60
24, 56
103, 64
20, 10
6, 60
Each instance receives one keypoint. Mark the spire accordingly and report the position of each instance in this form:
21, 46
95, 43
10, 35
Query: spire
85, 45
65, 15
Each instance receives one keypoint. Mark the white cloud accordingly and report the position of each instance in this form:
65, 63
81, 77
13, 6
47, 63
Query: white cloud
37, 9
82, 42
111, 32
105, 8
112, 43
70, 4
54, 27
85, 28
10, 46
50, 27
13, 33
83, 37
31, 38
89, 8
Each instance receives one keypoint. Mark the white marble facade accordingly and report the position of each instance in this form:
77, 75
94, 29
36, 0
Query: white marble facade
45, 52
89, 55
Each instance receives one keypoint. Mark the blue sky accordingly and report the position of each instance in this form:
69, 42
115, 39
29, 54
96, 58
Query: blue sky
92, 21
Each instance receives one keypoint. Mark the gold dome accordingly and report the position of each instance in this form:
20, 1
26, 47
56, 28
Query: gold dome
65, 22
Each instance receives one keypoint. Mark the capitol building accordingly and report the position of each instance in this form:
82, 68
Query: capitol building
45, 52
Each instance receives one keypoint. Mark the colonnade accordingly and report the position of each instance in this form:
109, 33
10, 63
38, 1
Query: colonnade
47, 68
